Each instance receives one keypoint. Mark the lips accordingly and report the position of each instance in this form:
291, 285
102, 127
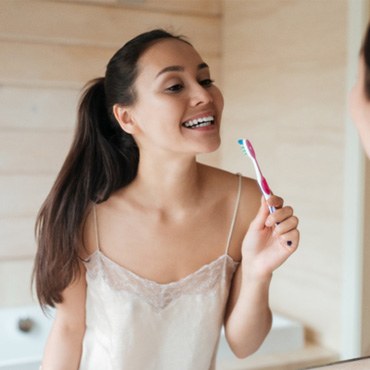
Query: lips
199, 122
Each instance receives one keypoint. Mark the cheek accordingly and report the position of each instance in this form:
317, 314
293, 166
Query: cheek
219, 100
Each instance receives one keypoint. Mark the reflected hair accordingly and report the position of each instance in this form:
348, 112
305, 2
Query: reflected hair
102, 159
365, 51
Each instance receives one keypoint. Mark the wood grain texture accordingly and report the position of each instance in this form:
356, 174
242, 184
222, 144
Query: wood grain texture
284, 80
96, 25
191, 7
35, 109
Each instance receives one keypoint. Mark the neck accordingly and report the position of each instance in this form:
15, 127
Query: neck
173, 183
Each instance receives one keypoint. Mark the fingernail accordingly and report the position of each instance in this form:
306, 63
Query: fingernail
289, 243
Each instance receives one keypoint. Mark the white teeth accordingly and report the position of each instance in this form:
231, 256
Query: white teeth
200, 122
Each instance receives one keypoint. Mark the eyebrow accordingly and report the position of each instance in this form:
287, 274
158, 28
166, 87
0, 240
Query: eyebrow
180, 68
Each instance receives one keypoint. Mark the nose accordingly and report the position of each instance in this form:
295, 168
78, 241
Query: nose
200, 95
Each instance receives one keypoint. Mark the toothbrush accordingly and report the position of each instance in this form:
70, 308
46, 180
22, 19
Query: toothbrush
248, 150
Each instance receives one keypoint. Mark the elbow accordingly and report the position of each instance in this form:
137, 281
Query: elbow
242, 353
243, 347
245, 351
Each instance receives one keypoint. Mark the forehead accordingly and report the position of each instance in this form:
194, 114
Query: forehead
168, 52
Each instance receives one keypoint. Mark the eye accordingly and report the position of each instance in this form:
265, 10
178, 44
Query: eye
207, 82
175, 88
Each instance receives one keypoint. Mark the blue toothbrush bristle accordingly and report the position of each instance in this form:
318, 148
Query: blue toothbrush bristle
242, 143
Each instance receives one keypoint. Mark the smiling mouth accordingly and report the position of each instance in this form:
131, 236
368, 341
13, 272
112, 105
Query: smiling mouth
199, 122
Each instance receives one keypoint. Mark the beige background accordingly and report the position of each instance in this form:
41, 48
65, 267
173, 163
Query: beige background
283, 66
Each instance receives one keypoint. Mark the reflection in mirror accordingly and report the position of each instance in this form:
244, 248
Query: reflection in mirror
284, 86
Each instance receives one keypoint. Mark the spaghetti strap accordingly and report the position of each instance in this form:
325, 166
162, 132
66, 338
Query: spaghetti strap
96, 228
235, 213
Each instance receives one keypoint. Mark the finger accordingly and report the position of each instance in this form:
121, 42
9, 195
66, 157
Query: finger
290, 239
275, 201
279, 216
258, 222
287, 225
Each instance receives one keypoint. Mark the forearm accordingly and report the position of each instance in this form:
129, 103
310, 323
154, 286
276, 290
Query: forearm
270, 239
63, 349
249, 318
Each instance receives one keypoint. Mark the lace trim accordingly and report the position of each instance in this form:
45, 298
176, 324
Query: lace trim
160, 295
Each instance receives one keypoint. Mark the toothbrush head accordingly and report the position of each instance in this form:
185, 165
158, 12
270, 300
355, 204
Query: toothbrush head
247, 148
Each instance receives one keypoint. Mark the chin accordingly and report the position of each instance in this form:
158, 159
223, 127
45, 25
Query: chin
211, 147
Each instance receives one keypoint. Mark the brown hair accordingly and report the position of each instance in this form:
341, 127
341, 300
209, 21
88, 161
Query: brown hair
102, 159
365, 51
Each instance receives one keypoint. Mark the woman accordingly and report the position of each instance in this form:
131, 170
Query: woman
138, 242
360, 95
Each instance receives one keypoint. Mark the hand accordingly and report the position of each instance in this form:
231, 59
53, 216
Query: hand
270, 240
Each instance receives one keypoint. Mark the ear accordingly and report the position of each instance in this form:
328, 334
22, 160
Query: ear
124, 118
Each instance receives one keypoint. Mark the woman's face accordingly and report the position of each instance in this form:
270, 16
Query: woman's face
360, 107
178, 108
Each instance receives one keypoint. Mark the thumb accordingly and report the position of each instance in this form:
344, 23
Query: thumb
258, 222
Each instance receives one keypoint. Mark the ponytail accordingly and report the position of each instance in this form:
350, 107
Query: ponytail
102, 159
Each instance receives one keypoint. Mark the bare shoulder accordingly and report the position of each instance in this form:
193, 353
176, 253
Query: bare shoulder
226, 183
226, 180
250, 200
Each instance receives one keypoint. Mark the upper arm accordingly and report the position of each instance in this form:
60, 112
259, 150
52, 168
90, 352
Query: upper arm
250, 201
64, 345
70, 314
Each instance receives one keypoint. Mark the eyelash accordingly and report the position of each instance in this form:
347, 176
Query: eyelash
207, 82
178, 87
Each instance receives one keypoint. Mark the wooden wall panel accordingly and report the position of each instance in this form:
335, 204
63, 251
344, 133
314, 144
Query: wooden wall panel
194, 7
19, 235
51, 65
284, 82
99, 26
31, 108
201, 7
33, 153
22, 195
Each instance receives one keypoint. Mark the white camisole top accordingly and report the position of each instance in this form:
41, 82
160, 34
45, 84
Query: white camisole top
134, 323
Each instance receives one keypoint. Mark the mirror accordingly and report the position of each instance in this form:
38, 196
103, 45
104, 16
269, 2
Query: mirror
285, 74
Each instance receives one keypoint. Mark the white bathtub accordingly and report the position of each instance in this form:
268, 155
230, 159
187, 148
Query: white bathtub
21, 350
